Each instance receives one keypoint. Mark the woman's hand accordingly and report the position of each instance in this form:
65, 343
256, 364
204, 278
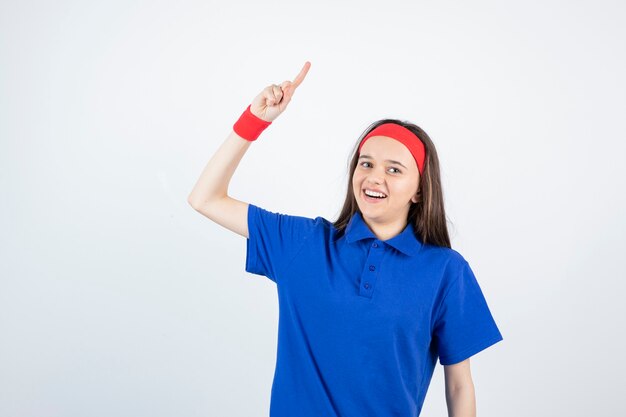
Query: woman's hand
273, 100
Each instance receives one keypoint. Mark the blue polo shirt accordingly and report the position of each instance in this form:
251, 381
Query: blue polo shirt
362, 321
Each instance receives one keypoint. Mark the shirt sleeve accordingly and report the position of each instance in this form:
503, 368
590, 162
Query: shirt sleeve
464, 325
274, 240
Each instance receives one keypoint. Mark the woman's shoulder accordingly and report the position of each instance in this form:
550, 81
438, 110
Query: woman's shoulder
275, 219
447, 255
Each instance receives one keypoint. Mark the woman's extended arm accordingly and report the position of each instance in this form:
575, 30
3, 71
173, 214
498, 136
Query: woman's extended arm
460, 396
210, 194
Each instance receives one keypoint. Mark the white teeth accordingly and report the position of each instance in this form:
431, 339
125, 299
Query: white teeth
374, 193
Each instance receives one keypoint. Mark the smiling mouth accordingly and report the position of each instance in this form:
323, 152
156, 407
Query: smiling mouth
369, 199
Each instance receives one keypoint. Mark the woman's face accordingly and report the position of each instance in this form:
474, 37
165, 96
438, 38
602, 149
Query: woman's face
377, 171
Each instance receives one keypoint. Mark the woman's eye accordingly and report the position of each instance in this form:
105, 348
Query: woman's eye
397, 171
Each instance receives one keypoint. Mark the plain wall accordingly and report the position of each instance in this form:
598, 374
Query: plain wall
117, 298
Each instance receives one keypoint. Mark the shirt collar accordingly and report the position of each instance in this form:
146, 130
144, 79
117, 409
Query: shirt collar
406, 241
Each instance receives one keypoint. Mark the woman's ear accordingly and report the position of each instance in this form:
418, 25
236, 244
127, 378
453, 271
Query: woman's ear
416, 197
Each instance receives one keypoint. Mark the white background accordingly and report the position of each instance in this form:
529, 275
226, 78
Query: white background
117, 298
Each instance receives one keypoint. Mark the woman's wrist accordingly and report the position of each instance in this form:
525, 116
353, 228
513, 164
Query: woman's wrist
249, 126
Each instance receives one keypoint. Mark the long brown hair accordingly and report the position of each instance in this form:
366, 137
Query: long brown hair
428, 215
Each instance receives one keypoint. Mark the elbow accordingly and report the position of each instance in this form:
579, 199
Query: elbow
193, 202
204, 206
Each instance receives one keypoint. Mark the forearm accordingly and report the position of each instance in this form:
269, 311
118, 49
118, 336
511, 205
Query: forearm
216, 176
461, 401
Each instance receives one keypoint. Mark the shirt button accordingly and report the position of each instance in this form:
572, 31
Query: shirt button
375, 244
372, 267
367, 285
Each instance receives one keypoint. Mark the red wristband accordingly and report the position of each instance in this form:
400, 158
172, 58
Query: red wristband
250, 126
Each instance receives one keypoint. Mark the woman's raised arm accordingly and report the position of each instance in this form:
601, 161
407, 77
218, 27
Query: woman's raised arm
210, 194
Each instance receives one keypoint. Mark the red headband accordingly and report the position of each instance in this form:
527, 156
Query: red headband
403, 135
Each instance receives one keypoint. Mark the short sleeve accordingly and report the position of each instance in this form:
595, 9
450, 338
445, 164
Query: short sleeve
464, 325
274, 240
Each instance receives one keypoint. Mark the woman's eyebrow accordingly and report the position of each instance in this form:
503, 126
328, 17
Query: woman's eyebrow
388, 160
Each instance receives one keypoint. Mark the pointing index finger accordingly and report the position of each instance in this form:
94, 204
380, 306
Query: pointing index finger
300, 77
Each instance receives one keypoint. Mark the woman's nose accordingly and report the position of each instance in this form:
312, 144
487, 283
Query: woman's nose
375, 178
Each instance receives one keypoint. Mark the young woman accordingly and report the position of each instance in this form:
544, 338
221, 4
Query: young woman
369, 302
